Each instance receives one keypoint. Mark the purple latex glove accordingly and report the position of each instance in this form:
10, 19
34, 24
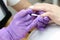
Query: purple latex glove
21, 24
43, 22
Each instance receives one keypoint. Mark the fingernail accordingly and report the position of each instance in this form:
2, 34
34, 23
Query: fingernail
31, 7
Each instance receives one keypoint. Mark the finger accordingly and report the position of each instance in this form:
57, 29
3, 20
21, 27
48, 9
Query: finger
50, 15
20, 14
42, 6
23, 13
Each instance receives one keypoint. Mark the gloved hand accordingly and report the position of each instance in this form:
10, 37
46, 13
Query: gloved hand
43, 22
21, 24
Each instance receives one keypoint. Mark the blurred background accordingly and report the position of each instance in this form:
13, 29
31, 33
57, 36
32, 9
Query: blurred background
57, 2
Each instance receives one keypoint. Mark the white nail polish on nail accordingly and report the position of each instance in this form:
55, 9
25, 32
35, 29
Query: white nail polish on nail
31, 6
34, 14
